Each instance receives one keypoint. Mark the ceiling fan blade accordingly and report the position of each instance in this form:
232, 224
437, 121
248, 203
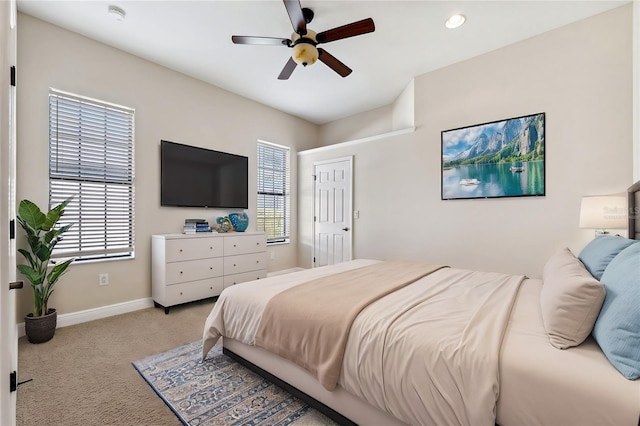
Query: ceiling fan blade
297, 17
268, 41
287, 70
333, 63
349, 30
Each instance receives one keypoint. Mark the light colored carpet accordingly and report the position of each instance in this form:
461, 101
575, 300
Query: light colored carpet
84, 375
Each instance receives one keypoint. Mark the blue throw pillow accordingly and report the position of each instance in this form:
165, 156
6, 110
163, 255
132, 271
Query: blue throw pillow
598, 253
617, 329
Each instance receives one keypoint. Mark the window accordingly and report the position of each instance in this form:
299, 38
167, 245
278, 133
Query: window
273, 209
91, 160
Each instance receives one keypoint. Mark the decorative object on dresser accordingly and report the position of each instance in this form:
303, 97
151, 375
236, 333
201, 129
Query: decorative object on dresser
239, 221
224, 224
191, 226
185, 268
42, 236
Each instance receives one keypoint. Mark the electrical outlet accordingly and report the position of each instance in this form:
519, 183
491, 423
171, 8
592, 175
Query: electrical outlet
103, 279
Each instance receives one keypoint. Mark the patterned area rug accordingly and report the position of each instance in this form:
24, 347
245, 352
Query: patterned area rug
218, 391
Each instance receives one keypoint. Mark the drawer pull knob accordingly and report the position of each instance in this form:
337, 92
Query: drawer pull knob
180, 272
257, 261
210, 288
180, 293
234, 265
211, 268
234, 245
180, 250
210, 248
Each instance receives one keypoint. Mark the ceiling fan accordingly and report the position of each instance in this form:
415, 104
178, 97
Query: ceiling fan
304, 41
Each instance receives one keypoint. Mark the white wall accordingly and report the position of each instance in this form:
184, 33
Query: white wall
168, 106
580, 75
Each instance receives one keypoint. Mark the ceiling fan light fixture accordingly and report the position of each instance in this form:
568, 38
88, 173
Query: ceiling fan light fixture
304, 54
455, 21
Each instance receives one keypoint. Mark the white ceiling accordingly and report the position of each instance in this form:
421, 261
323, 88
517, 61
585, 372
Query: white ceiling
194, 38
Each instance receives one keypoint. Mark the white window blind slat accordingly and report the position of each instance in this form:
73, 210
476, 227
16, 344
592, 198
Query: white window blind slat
91, 159
273, 201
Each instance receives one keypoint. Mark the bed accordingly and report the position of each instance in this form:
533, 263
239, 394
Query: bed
512, 350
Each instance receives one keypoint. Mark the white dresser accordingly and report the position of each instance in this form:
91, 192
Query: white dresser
188, 267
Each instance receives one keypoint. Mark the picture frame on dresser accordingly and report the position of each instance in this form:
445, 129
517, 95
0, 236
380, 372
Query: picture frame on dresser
190, 267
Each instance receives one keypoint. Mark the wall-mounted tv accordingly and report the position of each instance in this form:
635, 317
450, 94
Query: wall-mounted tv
502, 158
199, 177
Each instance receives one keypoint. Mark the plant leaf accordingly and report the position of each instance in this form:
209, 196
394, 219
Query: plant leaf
54, 214
34, 277
31, 214
57, 271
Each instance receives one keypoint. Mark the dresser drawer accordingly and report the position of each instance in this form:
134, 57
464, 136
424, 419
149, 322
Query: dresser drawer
193, 248
245, 263
244, 244
193, 270
234, 279
194, 290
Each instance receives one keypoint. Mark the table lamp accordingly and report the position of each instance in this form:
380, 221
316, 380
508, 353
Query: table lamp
603, 212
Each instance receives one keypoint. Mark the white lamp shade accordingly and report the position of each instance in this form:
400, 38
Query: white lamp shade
604, 212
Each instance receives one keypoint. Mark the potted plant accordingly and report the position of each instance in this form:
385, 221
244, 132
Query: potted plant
41, 271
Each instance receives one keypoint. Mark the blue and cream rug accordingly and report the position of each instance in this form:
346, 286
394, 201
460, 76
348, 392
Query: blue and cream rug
218, 391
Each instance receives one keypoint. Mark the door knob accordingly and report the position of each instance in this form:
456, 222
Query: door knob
345, 228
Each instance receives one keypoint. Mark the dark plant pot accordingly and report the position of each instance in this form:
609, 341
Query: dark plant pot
41, 329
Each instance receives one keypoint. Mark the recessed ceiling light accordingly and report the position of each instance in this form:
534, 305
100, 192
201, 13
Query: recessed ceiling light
455, 21
117, 13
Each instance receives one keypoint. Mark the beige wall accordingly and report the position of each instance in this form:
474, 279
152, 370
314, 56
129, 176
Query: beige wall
365, 124
580, 75
168, 106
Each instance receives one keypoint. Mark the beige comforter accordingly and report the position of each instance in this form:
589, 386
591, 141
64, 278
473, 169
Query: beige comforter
427, 353
309, 324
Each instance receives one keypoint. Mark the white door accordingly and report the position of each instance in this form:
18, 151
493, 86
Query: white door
332, 210
8, 335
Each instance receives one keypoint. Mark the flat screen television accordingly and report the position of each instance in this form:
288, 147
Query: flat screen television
199, 177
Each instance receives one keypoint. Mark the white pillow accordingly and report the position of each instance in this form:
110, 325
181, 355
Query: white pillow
571, 299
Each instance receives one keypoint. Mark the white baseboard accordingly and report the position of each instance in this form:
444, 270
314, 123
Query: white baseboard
73, 318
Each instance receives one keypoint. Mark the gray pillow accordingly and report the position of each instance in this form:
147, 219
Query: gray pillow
570, 299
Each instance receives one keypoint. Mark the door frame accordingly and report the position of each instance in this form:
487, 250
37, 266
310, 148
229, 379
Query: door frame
8, 330
315, 204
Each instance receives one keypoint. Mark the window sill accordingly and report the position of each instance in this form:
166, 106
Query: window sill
278, 243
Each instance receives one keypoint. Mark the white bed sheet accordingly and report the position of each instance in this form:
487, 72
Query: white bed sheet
539, 384
543, 385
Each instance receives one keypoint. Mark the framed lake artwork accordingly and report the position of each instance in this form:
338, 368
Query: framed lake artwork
502, 158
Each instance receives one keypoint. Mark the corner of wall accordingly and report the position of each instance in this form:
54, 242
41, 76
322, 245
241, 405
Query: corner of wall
402, 110
636, 90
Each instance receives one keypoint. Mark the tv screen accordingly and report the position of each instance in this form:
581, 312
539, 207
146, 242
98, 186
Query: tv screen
199, 177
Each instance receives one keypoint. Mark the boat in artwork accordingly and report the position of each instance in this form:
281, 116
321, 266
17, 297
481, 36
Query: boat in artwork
469, 182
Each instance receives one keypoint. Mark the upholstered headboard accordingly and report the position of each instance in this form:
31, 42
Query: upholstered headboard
634, 211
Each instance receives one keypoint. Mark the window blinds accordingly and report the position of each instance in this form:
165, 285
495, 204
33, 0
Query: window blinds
273, 206
91, 160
